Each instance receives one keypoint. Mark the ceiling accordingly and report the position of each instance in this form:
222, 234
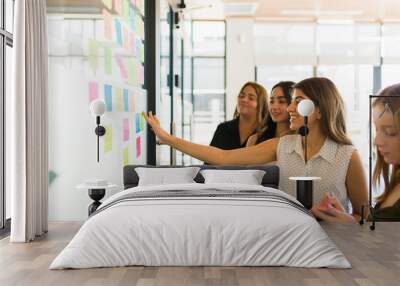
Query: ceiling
277, 10
303, 10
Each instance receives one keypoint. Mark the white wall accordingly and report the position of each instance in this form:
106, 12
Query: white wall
239, 59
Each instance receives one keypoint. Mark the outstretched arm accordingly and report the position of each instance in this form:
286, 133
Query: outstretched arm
259, 154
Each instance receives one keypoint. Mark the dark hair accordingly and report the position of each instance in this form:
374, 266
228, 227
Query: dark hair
323, 92
381, 167
287, 88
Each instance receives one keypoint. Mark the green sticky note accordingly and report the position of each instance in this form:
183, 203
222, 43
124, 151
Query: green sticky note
118, 100
108, 139
93, 54
126, 156
131, 66
108, 60
125, 8
142, 121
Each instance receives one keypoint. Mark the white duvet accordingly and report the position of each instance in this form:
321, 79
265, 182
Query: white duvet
200, 231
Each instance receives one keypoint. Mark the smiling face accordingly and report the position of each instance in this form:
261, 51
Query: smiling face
296, 120
247, 102
387, 138
278, 106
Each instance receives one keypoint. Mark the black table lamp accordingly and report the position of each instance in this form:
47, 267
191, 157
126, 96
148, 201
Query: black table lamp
98, 108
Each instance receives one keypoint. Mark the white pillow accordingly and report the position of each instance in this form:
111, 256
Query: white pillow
166, 176
248, 177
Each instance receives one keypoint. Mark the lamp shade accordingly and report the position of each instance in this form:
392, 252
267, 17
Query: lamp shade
98, 107
305, 107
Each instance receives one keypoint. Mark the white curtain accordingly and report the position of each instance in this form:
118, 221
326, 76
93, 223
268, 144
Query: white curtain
27, 123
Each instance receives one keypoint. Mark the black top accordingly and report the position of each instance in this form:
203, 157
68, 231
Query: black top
392, 212
227, 135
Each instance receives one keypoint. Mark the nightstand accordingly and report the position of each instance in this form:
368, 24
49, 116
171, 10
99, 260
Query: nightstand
96, 193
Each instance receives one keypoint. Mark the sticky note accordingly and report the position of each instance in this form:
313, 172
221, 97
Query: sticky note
125, 129
142, 122
131, 101
93, 54
118, 99
126, 100
138, 147
137, 120
118, 31
132, 71
93, 91
125, 8
140, 73
107, 18
121, 66
107, 3
108, 139
126, 156
108, 97
118, 6
108, 60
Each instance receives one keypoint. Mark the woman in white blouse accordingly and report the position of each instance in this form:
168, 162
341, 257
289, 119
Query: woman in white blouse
332, 155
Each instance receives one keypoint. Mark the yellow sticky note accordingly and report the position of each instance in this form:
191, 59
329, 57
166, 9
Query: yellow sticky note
93, 54
108, 60
107, 3
108, 139
126, 156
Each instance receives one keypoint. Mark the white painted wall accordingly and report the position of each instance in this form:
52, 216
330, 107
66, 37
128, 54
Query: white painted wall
239, 59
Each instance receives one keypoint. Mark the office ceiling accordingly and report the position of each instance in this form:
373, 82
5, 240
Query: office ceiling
279, 10
303, 10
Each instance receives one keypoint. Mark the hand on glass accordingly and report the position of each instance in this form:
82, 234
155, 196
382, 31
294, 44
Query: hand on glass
330, 209
154, 123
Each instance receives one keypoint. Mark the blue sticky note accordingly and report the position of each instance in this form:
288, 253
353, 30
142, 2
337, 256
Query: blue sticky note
118, 31
126, 100
108, 96
137, 122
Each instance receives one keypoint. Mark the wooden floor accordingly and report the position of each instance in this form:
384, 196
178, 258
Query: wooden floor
374, 255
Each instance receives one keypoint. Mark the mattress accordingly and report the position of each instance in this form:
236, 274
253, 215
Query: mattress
201, 225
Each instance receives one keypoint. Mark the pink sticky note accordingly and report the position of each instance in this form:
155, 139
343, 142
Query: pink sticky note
107, 18
121, 66
138, 147
118, 6
126, 129
93, 91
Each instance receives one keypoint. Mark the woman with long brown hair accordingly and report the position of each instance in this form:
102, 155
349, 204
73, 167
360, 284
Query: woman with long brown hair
331, 155
386, 117
250, 117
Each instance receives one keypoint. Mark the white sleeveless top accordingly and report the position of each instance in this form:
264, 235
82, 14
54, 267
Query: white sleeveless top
330, 163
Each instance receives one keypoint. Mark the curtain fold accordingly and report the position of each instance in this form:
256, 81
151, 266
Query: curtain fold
28, 123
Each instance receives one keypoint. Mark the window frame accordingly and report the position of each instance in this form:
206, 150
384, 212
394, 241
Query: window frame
6, 39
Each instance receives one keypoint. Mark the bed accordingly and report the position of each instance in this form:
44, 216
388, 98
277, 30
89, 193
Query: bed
197, 224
